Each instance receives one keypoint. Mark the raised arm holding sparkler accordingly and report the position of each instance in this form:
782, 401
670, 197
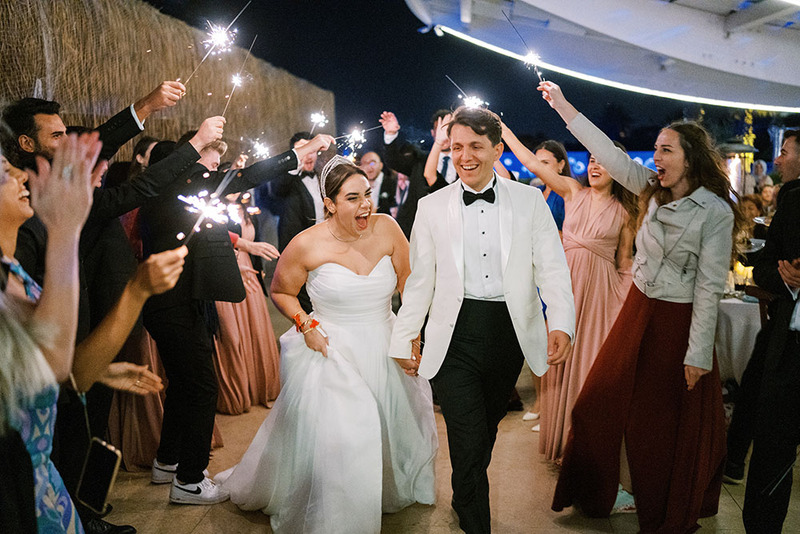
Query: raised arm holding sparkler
440, 142
564, 186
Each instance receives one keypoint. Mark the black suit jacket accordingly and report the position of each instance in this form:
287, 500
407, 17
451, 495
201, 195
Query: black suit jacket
783, 243
386, 197
117, 131
107, 205
409, 159
296, 206
210, 270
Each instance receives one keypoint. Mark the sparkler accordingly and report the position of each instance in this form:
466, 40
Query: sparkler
219, 40
531, 58
207, 206
236, 80
318, 119
260, 150
355, 139
474, 102
469, 101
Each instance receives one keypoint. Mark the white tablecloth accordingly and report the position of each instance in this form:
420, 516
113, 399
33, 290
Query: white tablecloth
738, 324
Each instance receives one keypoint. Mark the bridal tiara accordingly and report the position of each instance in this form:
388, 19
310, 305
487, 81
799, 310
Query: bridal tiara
334, 162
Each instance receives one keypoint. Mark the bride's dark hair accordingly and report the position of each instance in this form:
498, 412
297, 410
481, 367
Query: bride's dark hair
335, 178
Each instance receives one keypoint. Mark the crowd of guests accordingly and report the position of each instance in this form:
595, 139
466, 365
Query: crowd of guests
108, 292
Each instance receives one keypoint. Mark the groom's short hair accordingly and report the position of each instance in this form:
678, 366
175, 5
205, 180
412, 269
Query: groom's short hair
482, 121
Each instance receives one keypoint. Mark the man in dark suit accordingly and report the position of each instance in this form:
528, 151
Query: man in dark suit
298, 198
383, 182
744, 420
182, 320
771, 409
409, 159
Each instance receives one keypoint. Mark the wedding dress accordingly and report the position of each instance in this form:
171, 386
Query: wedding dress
350, 436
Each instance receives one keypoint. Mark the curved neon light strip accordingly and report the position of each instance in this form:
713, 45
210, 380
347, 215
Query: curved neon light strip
618, 85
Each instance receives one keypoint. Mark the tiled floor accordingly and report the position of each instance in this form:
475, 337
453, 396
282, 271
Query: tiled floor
522, 486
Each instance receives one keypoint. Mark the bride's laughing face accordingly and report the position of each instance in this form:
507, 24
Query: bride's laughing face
352, 206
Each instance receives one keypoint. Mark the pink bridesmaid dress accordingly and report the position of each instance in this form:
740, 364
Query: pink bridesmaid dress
590, 243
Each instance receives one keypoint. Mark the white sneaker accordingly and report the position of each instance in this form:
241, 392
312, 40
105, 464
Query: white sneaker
530, 416
164, 473
204, 492
535, 428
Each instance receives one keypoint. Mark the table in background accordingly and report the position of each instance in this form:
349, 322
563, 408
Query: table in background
738, 323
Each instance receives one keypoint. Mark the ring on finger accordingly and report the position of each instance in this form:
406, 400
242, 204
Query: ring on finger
66, 172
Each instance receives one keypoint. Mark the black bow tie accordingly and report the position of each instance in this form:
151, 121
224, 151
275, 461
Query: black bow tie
309, 174
487, 195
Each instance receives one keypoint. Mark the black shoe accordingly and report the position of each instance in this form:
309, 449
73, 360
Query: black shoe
98, 526
734, 473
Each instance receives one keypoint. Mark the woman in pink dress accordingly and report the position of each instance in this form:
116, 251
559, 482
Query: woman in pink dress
247, 356
598, 232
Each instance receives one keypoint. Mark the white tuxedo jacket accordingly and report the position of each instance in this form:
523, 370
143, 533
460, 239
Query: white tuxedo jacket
532, 256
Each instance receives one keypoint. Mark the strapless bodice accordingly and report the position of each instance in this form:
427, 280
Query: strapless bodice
342, 296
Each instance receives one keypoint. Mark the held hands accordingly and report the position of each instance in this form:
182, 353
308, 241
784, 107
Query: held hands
790, 272
389, 123
692, 374
61, 192
137, 379
558, 347
410, 366
160, 272
210, 130
165, 95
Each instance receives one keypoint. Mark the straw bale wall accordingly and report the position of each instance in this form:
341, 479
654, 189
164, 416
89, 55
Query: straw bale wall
96, 57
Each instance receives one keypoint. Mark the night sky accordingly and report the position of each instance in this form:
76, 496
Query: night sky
370, 54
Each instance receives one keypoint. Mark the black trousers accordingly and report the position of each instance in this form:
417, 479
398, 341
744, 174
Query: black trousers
473, 386
186, 349
743, 422
777, 435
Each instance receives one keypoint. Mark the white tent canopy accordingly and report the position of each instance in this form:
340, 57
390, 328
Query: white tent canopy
723, 52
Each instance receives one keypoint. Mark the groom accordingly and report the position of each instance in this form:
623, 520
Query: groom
479, 249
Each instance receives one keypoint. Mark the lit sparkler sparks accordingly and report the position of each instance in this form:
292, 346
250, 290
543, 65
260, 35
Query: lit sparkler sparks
207, 207
260, 150
473, 102
469, 101
531, 58
219, 40
236, 80
355, 139
318, 119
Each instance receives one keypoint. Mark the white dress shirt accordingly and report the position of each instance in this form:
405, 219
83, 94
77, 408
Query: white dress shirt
312, 185
483, 265
376, 190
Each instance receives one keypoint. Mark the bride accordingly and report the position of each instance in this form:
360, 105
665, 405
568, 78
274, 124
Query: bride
350, 435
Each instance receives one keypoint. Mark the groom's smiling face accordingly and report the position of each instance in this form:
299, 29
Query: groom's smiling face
473, 155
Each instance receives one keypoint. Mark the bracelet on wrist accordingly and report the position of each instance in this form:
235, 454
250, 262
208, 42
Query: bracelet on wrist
306, 329
297, 322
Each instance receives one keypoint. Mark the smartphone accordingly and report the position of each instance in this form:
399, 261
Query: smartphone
98, 475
